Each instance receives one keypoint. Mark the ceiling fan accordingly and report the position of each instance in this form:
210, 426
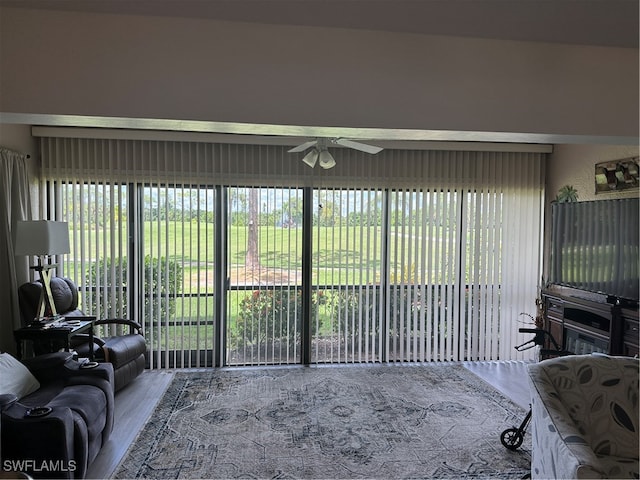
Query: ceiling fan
321, 155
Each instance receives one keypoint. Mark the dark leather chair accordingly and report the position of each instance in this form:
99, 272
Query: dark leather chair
126, 352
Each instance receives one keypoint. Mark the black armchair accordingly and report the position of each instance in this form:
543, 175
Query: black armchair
125, 352
56, 416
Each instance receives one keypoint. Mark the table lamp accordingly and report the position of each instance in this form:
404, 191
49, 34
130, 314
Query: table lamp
42, 238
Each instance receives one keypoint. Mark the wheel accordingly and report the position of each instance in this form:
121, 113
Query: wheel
511, 438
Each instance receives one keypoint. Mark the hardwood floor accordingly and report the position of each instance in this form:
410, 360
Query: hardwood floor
133, 406
136, 402
508, 377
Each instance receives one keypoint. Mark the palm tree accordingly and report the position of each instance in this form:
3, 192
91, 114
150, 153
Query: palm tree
252, 260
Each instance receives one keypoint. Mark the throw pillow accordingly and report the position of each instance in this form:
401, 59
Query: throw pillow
15, 378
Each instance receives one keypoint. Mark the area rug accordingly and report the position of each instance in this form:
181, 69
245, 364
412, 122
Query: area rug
338, 422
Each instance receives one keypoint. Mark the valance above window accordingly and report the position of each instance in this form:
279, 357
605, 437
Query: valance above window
225, 164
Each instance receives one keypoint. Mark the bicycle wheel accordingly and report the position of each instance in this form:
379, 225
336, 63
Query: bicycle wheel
511, 438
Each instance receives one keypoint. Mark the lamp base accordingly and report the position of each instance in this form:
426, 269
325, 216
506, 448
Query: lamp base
46, 297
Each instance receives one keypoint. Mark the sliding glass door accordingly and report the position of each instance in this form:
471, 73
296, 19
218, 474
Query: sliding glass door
396, 275
424, 280
264, 262
175, 251
347, 308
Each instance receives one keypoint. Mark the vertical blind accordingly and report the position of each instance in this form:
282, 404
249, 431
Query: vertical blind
416, 255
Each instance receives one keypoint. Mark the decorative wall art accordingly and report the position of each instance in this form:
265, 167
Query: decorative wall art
617, 175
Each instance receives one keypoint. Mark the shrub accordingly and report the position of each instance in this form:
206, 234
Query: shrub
108, 274
275, 313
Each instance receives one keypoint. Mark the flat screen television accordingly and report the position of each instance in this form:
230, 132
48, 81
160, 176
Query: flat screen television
595, 247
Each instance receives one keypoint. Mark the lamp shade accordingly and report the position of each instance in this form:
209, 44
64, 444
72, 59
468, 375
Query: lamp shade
41, 237
326, 160
311, 158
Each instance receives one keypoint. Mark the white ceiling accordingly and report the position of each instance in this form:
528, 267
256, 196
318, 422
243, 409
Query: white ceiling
611, 23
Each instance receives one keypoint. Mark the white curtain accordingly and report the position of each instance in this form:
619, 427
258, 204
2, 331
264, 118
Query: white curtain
14, 205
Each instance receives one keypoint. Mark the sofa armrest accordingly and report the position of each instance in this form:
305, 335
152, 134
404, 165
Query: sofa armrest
73, 371
559, 450
101, 377
60, 366
50, 438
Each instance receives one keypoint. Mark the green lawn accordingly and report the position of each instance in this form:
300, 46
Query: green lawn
192, 245
342, 255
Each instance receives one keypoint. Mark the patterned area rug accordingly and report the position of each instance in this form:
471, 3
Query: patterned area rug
338, 422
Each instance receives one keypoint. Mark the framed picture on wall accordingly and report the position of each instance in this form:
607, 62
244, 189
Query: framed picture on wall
617, 175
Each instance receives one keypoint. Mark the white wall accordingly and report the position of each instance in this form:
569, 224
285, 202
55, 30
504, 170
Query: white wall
192, 69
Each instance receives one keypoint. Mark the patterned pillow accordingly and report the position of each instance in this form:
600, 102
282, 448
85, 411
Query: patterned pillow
601, 395
15, 378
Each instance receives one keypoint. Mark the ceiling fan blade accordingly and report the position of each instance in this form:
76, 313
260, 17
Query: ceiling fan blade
357, 145
303, 146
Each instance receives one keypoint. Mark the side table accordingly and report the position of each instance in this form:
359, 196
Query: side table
59, 332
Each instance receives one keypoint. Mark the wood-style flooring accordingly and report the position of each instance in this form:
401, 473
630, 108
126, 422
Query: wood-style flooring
136, 402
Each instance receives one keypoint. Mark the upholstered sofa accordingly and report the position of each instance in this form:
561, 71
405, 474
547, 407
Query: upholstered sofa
585, 417
125, 351
55, 416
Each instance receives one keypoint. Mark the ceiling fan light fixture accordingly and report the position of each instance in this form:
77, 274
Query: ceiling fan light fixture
320, 154
326, 159
311, 158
